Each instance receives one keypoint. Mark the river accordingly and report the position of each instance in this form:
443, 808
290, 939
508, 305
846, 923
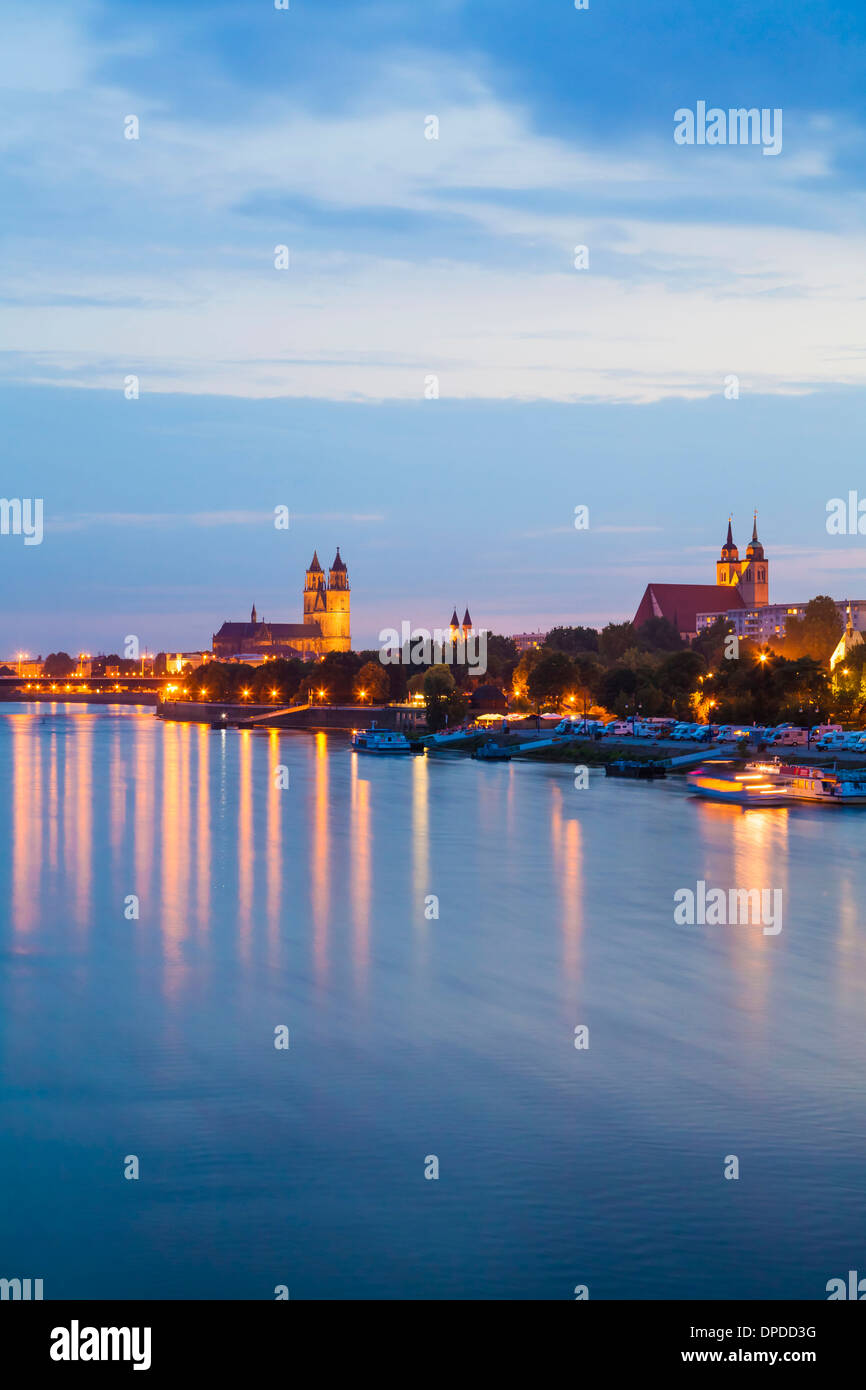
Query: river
428, 934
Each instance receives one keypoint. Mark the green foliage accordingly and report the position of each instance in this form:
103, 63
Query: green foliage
572, 640
816, 633
615, 639
58, 664
372, 680
660, 635
551, 678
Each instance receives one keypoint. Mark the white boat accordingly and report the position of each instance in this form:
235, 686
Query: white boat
837, 788
718, 782
817, 784
375, 740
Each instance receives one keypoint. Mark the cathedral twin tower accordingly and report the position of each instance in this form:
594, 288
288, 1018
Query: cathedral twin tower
750, 576
326, 605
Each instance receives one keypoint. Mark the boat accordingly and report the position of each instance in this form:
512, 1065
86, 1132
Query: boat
722, 783
836, 786
375, 740
492, 753
630, 767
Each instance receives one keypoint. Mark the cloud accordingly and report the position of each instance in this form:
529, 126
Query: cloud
410, 258
160, 520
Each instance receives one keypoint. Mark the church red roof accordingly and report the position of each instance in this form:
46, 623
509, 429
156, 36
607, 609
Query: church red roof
680, 603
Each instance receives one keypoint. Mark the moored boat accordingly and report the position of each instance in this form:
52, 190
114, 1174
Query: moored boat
492, 753
836, 787
722, 783
630, 767
375, 740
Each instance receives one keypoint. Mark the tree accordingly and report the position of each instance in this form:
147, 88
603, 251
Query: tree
816, 633
572, 639
502, 657
372, 684
527, 663
58, 664
615, 639
660, 635
550, 679
710, 643
443, 702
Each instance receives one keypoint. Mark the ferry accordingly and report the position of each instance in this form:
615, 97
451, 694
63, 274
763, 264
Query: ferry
718, 782
375, 740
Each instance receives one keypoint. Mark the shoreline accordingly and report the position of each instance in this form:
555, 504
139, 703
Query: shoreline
591, 752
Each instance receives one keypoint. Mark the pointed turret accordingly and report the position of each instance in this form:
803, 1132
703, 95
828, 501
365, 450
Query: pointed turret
455, 621
315, 574
253, 614
467, 621
337, 575
728, 565
755, 551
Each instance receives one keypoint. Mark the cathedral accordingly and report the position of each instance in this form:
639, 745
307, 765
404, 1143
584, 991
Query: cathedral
325, 628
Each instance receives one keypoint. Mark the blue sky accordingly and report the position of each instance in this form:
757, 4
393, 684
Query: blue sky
410, 258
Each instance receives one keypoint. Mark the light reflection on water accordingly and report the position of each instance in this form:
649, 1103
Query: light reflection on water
413, 1034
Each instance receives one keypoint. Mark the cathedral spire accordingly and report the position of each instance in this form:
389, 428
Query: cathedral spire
730, 540
253, 614
755, 528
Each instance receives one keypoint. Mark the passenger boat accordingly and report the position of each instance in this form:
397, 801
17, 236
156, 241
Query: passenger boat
838, 787
720, 783
817, 784
375, 740
628, 767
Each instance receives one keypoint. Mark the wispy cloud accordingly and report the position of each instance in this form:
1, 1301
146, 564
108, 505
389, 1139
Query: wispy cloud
161, 520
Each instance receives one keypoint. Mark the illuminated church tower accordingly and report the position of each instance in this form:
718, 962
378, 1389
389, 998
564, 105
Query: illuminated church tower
755, 584
728, 567
751, 575
327, 604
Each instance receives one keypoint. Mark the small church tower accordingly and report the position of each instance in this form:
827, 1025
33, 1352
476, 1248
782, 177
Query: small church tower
728, 567
754, 583
314, 591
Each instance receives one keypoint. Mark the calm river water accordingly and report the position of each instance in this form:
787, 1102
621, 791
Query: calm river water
411, 1035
